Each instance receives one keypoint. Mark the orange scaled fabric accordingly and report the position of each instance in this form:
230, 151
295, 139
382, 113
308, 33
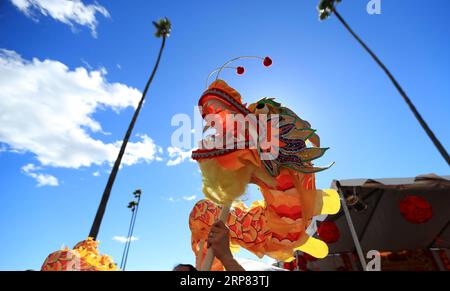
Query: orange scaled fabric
83, 257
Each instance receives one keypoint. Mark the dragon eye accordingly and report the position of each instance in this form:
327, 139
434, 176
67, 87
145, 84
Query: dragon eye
260, 106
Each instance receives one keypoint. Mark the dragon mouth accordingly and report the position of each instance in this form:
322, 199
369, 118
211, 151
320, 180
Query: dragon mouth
216, 101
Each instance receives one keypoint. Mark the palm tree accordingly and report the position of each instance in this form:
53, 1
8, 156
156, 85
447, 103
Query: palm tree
163, 28
326, 8
134, 206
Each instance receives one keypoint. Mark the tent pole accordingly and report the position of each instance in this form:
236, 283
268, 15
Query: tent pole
352, 228
437, 260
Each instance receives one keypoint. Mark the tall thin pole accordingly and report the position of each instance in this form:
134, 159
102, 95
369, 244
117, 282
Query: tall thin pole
356, 242
209, 256
128, 239
133, 219
416, 113
107, 192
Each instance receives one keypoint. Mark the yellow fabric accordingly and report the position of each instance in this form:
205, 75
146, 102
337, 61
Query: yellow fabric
314, 247
329, 203
226, 178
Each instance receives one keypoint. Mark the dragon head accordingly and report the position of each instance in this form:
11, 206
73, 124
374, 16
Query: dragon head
221, 99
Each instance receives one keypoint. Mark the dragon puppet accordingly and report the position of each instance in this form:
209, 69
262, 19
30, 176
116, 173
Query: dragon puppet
83, 257
275, 227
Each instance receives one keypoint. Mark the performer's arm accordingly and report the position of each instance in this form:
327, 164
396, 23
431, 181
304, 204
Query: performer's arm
219, 241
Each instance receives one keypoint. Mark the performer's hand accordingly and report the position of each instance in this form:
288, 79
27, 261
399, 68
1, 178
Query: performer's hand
219, 241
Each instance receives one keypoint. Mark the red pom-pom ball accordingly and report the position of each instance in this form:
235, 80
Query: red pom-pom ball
240, 70
267, 62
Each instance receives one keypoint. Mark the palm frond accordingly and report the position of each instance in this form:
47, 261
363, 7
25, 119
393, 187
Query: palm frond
163, 27
326, 7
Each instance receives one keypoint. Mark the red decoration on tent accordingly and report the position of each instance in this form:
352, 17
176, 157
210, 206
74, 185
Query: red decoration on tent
291, 266
328, 232
347, 262
416, 209
445, 260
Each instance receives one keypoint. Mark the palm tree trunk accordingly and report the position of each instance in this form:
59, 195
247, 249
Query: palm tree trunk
106, 193
419, 118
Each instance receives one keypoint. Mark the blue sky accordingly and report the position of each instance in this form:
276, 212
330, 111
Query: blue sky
319, 71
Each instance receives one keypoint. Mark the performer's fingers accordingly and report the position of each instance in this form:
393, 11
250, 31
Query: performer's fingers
214, 229
212, 240
218, 224
219, 227
213, 235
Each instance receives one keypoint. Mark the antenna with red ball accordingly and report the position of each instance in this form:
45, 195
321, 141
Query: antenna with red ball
267, 62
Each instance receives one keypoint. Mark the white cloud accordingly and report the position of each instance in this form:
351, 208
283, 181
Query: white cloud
46, 109
142, 151
42, 179
189, 198
177, 156
70, 12
177, 200
123, 239
96, 174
